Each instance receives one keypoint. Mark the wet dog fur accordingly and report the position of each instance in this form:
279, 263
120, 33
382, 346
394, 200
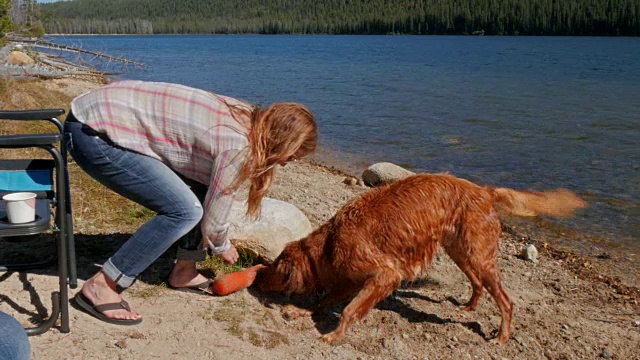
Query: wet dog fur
391, 234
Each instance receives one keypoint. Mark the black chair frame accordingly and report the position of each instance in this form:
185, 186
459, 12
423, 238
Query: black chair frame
60, 200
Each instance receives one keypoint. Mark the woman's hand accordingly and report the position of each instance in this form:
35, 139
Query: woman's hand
230, 256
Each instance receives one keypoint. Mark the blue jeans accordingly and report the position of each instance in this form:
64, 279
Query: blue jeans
150, 183
14, 343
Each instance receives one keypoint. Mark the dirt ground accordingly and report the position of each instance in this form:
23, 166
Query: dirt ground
567, 306
558, 314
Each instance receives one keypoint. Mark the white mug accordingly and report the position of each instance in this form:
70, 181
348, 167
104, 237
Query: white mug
21, 207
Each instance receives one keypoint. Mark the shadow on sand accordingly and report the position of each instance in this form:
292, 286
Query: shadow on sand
91, 251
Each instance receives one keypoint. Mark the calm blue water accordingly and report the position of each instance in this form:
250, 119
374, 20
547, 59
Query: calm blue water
524, 112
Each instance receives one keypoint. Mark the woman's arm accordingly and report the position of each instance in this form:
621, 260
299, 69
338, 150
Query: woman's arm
218, 201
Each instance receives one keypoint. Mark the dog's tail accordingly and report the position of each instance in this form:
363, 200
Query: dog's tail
558, 202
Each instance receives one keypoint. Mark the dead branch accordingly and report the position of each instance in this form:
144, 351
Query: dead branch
51, 45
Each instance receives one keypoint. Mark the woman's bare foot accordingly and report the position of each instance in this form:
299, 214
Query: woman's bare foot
185, 274
101, 290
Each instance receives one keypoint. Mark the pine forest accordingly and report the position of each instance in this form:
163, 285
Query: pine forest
423, 17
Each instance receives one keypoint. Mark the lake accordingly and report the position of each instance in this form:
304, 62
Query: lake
522, 112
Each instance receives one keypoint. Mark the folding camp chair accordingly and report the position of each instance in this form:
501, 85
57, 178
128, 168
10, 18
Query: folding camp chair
49, 180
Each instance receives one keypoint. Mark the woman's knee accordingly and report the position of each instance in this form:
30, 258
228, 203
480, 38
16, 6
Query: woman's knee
189, 211
196, 212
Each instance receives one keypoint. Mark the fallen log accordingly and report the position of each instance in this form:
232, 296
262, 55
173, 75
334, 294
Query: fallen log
45, 44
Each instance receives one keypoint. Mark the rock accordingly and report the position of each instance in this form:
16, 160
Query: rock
279, 223
350, 181
383, 173
606, 354
530, 253
19, 58
636, 323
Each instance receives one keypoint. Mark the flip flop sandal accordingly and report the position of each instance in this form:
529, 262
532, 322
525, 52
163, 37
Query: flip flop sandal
202, 288
98, 310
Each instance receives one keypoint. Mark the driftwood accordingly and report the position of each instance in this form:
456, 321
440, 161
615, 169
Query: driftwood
68, 66
52, 66
51, 45
47, 73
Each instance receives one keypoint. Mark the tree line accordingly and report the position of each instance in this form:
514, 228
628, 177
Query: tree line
424, 17
19, 17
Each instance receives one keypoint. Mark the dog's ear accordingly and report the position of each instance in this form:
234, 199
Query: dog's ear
286, 273
275, 276
294, 282
297, 272
283, 274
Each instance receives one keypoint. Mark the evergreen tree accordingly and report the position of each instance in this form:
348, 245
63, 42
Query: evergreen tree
5, 20
491, 17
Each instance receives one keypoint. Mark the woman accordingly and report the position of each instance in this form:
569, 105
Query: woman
144, 140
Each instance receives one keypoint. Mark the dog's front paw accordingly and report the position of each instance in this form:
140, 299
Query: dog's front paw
291, 312
466, 309
500, 340
330, 338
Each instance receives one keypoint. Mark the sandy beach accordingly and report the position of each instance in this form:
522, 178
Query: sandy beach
567, 305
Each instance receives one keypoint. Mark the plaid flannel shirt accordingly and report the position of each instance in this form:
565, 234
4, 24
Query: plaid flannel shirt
190, 130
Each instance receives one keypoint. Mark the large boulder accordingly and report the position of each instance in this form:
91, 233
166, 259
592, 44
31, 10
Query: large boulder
279, 223
384, 173
19, 58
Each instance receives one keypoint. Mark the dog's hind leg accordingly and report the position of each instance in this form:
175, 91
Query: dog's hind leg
476, 284
461, 256
373, 291
476, 257
491, 280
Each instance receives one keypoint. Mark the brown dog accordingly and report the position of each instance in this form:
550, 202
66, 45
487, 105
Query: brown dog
391, 233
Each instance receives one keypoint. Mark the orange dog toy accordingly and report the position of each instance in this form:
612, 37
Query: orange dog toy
235, 281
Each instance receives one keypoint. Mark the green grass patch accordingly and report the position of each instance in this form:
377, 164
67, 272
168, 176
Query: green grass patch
215, 265
146, 291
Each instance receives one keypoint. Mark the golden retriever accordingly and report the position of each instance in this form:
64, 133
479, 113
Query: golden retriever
391, 233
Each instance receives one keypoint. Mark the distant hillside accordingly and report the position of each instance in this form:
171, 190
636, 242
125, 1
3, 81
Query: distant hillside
490, 17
